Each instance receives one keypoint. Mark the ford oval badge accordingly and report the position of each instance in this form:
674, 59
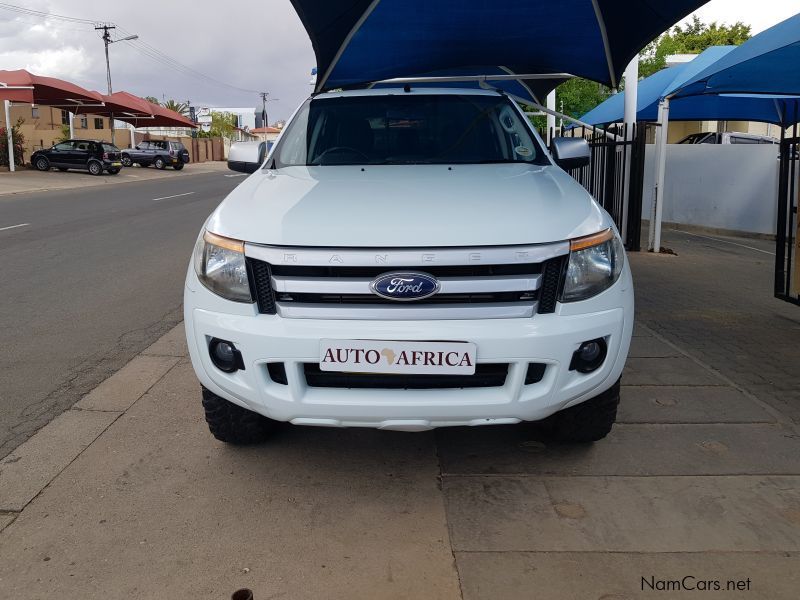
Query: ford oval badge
405, 287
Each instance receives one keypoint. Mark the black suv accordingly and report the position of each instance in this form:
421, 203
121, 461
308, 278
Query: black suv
159, 153
89, 155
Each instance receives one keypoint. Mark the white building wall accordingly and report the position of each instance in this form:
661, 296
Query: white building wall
717, 186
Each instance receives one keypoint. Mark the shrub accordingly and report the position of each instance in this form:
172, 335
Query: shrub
18, 141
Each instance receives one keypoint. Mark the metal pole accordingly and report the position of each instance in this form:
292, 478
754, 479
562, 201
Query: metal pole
107, 40
654, 243
551, 117
631, 104
71, 117
9, 135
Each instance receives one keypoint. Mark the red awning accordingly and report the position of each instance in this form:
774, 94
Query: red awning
47, 91
163, 117
138, 111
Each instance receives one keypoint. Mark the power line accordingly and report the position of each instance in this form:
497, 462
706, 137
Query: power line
140, 46
44, 14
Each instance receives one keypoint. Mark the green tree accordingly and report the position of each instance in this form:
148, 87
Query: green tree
691, 38
64, 133
179, 107
18, 142
152, 99
578, 96
223, 124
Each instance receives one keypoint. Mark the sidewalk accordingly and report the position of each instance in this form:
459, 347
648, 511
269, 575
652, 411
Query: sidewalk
30, 180
127, 495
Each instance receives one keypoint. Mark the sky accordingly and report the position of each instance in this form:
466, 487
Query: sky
227, 52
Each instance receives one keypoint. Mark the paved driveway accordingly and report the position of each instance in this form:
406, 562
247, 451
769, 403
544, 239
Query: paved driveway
127, 495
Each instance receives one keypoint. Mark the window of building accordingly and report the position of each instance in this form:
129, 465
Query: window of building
84, 122
34, 112
64, 117
98, 123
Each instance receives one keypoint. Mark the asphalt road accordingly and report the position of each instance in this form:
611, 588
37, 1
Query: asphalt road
90, 277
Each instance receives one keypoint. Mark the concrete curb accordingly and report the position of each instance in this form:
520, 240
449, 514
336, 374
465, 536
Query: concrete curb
32, 466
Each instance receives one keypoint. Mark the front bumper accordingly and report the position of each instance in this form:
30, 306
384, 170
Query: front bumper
550, 339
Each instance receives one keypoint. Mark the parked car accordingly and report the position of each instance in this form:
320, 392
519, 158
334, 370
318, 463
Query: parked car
408, 260
728, 137
89, 155
159, 153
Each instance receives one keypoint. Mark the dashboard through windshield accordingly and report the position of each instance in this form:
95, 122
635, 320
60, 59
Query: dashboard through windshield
396, 129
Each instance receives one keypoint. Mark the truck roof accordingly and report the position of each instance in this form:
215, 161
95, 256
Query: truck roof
419, 89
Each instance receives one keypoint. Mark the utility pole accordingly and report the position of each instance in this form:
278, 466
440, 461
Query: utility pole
264, 97
107, 40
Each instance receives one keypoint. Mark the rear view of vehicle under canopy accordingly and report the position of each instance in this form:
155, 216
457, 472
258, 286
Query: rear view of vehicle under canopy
358, 42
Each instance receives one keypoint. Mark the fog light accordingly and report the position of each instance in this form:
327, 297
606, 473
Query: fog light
225, 356
589, 357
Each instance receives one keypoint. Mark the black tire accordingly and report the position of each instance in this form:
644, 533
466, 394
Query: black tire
159, 163
113, 170
586, 422
177, 166
233, 424
95, 168
62, 169
126, 161
41, 163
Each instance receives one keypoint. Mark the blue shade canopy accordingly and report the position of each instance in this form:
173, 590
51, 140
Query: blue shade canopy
362, 41
780, 110
768, 63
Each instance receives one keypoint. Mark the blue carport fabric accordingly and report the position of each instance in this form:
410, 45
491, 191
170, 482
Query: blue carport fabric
362, 41
780, 110
768, 63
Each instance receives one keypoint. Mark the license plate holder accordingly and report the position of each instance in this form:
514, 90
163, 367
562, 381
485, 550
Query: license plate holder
398, 357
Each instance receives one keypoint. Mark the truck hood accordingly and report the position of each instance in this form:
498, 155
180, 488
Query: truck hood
408, 206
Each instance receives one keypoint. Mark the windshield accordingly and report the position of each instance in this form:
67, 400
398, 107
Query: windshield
408, 129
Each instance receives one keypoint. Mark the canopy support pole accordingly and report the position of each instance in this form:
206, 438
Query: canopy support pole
551, 117
9, 135
71, 117
631, 104
133, 135
654, 241
555, 113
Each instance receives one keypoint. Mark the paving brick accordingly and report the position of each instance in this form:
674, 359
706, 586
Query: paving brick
173, 343
643, 450
126, 386
624, 514
667, 371
688, 404
618, 576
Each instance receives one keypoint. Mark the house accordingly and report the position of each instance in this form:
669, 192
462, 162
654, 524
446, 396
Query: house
42, 126
266, 134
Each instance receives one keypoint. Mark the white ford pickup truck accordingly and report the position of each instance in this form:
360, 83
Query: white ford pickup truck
409, 258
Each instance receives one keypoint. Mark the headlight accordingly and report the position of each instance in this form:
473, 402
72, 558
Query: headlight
595, 263
220, 266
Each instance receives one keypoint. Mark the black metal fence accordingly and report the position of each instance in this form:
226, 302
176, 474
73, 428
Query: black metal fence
787, 246
617, 156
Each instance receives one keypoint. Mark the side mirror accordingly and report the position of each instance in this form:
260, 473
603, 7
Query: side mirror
571, 153
246, 157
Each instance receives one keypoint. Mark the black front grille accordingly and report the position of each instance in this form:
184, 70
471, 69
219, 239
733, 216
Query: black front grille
436, 271
377, 300
261, 285
552, 272
486, 376
552, 279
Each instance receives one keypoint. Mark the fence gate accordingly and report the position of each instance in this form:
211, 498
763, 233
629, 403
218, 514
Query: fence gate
787, 239
617, 156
